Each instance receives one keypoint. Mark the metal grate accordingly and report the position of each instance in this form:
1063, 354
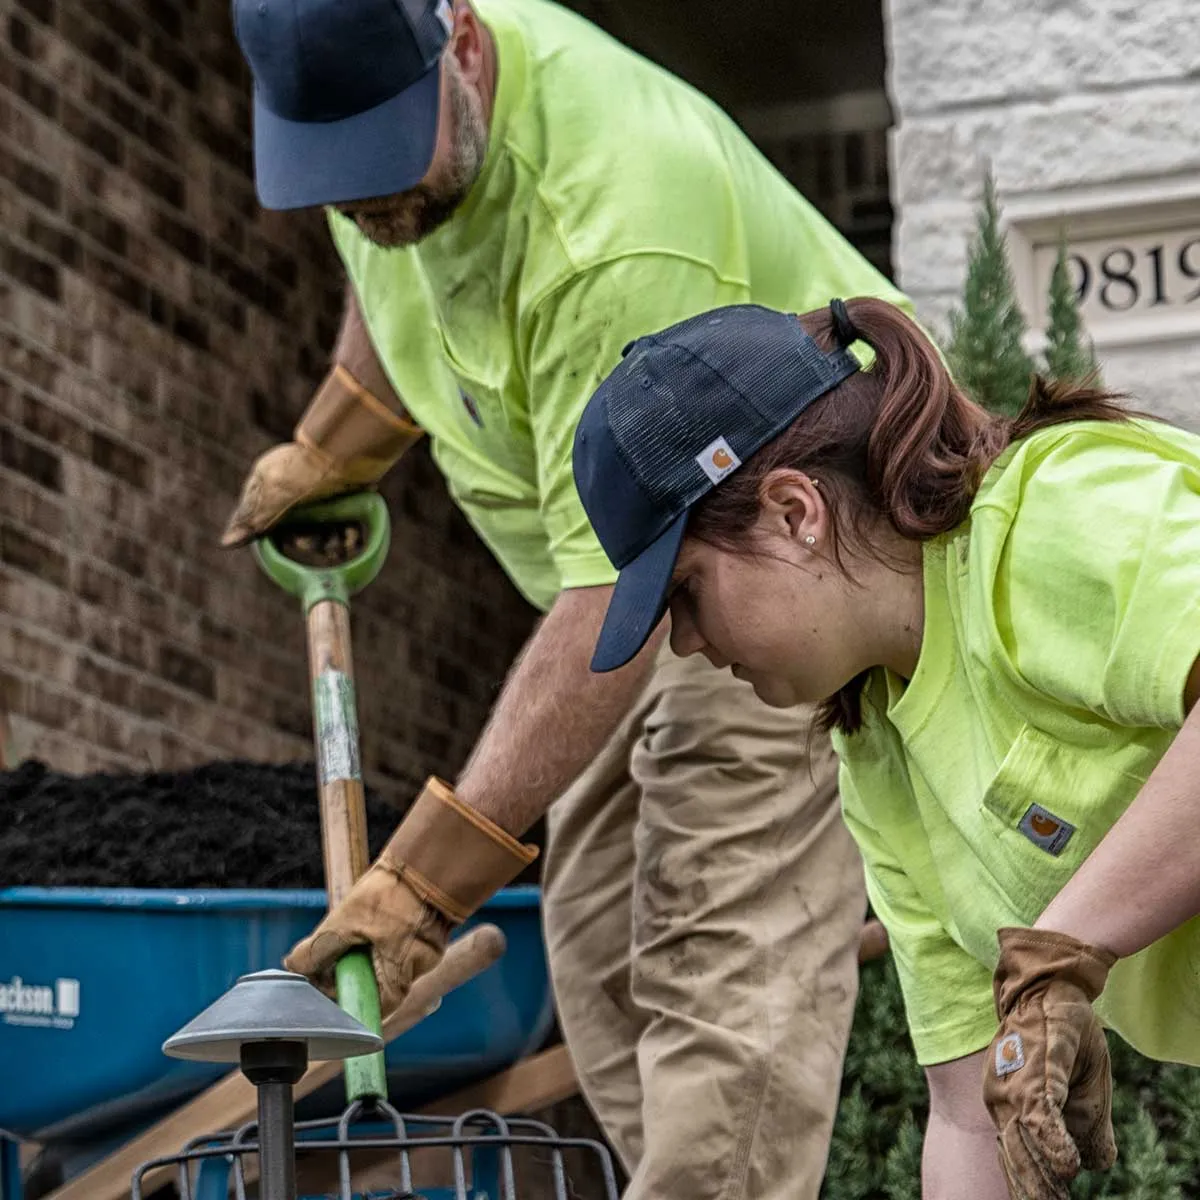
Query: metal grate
481, 1144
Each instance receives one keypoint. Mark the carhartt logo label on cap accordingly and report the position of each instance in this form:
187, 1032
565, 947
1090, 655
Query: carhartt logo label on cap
1010, 1054
445, 14
717, 460
1046, 830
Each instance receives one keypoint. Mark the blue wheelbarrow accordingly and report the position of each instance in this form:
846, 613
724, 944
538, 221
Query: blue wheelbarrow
93, 981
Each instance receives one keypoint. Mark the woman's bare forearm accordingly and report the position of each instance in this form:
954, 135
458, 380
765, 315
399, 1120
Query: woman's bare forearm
1142, 880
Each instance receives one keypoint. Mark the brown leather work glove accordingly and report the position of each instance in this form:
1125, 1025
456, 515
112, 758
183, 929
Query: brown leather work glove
346, 440
440, 865
1047, 1080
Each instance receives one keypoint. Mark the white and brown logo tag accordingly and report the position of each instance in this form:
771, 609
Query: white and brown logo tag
1046, 830
1010, 1054
717, 460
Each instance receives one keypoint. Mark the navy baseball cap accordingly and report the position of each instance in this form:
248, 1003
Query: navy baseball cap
682, 410
345, 95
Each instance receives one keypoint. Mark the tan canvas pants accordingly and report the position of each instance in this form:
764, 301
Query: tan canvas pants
702, 905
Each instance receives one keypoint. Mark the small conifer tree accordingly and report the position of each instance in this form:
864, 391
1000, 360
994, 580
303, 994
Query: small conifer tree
986, 354
1068, 354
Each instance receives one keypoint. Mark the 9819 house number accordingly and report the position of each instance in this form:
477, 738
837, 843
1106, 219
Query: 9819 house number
1136, 274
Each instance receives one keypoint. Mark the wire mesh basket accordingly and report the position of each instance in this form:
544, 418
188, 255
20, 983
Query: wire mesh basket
378, 1153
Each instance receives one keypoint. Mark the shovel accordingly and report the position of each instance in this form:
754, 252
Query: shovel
323, 554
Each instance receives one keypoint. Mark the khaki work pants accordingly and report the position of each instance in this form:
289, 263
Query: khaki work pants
703, 902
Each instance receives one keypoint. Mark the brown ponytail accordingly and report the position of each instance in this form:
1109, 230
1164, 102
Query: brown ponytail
899, 440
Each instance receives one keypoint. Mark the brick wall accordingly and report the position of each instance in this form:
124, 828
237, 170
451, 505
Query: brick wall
157, 330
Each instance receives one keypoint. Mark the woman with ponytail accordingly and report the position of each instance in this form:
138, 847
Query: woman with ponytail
1001, 619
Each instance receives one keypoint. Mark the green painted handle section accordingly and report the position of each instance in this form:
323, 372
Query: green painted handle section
314, 584
358, 995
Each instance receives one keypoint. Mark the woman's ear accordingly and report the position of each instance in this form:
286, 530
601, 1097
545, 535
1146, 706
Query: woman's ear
794, 507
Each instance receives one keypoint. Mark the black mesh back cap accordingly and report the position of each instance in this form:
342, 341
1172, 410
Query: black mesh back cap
682, 411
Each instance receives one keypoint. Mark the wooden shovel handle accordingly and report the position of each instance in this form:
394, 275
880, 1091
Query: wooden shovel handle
335, 719
466, 957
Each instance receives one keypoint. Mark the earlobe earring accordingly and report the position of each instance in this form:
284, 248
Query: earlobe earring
810, 540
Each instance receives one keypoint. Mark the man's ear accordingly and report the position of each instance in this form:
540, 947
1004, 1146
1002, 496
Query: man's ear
466, 42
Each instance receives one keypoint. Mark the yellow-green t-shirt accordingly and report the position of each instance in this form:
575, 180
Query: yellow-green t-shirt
1061, 621
614, 201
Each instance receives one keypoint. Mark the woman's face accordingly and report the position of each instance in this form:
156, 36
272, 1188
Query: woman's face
746, 612
781, 614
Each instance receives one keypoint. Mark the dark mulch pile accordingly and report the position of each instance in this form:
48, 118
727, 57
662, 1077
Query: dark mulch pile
222, 825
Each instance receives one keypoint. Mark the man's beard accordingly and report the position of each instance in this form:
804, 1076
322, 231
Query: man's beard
407, 217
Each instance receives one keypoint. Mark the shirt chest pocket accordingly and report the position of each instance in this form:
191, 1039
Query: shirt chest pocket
1047, 808
480, 394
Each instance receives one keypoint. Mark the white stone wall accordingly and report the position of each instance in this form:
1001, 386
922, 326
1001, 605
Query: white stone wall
1070, 101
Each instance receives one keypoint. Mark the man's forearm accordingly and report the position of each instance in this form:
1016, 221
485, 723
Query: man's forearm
553, 715
355, 351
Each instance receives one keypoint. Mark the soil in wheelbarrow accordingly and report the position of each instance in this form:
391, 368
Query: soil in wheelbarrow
220, 825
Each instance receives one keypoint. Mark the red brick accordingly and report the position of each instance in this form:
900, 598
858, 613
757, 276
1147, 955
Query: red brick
114, 685
32, 270
35, 654
52, 425
120, 460
39, 604
51, 706
29, 458
41, 10
186, 671
27, 553
85, 35
37, 93
111, 638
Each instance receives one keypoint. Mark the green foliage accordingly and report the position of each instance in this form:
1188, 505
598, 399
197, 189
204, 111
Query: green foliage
1068, 354
985, 354
876, 1149
902, 1167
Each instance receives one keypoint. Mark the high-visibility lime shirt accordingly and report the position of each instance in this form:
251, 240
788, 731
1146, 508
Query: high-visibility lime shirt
614, 200
1061, 621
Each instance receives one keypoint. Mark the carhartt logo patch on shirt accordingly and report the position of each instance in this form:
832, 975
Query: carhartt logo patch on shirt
1046, 830
717, 460
1010, 1054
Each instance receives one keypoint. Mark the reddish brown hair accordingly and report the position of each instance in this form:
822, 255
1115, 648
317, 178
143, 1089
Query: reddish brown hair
898, 441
